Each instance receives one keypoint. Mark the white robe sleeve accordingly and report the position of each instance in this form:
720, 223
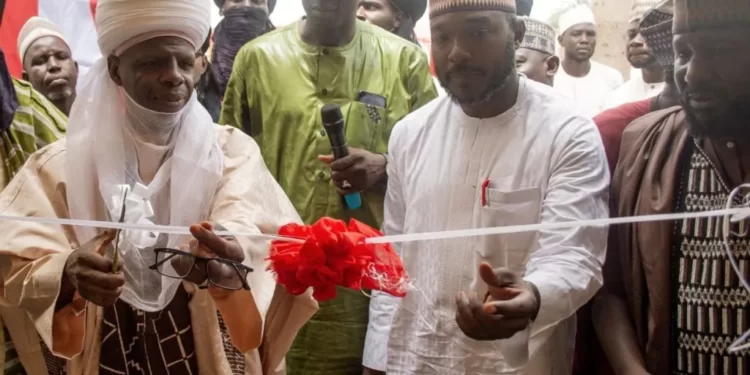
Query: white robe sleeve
567, 267
383, 305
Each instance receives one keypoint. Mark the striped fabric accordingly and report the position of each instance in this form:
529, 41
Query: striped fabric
36, 124
709, 302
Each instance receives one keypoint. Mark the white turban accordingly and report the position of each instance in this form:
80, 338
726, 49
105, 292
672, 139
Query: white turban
34, 29
576, 15
101, 158
123, 23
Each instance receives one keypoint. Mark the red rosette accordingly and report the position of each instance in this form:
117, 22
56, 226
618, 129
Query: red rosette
334, 254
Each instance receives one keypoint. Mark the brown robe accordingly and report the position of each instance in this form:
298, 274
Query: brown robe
638, 263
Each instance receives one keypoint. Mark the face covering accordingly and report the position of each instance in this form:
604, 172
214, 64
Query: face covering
239, 26
8, 99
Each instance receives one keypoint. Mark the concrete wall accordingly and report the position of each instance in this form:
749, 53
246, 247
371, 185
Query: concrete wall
612, 17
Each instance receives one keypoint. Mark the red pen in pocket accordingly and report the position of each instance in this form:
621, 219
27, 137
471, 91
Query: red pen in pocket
485, 188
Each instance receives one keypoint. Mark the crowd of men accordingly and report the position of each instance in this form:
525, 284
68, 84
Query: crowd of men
519, 136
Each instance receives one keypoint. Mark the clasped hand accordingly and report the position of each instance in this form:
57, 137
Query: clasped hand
89, 272
357, 172
510, 306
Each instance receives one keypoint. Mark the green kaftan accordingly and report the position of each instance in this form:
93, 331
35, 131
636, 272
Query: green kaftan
275, 94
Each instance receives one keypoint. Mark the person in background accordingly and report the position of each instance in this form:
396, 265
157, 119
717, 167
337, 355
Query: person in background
28, 122
396, 16
266, 5
656, 30
671, 302
167, 304
523, 7
207, 86
243, 21
647, 80
499, 150
279, 84
536, 56
48, 62
585, 81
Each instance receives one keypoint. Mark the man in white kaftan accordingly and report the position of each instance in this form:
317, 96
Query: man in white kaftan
495, 152
581, 78
647, 76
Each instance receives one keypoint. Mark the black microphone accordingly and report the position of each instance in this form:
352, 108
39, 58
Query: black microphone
333, 122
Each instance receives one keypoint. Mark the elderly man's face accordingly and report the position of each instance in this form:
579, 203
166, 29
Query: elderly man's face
157, 73
330, 11
537, 66
230, 4
579, 42
711, 75
380, 13
474, 52
50, 68
639, 54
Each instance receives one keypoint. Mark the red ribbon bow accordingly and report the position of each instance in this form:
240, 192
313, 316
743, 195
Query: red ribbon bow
334, 254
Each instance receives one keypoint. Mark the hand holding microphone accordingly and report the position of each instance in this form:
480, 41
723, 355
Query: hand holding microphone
352, 170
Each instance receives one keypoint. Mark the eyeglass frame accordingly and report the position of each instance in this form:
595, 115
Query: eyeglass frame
237, 266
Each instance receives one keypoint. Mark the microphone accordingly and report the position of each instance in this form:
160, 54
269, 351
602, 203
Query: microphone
333, 122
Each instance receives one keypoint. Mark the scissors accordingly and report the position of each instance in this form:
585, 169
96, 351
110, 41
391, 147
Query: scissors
116, 256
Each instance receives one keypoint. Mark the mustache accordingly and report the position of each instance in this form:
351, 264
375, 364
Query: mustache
463, 69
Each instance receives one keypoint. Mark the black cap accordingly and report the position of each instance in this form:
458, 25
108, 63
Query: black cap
331, 113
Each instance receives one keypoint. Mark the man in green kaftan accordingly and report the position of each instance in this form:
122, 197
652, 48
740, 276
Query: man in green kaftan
279, 84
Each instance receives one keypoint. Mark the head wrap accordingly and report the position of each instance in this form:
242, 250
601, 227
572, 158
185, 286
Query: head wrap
639, 8
438, 7
8, 98
539, 36
695, 15
101, 159
34, 29
576, 15
524, 7
239, 26
271, 4
413, 8
656, 28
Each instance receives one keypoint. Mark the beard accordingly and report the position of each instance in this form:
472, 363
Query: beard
726, 125
647, 63
496, 80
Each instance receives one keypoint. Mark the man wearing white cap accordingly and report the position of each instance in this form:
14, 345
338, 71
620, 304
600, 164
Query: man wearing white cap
647, 80
48, 62
142, 151
582, 79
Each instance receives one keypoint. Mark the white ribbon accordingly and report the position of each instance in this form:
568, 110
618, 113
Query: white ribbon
137, 211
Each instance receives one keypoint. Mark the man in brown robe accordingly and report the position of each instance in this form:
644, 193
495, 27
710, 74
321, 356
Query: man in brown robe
671, 303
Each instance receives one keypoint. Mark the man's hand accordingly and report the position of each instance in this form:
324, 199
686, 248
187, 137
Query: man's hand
208, 245
357, 172
510, 306
90, 273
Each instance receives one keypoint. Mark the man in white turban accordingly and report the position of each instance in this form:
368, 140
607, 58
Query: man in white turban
582, 79
48, 62
142, 151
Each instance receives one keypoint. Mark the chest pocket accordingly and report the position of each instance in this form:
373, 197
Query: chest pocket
506, 208
366, 125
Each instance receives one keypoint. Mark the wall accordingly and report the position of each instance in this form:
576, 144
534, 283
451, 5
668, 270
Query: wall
612, 17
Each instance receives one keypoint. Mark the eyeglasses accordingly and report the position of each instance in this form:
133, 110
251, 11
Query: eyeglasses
222, 273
